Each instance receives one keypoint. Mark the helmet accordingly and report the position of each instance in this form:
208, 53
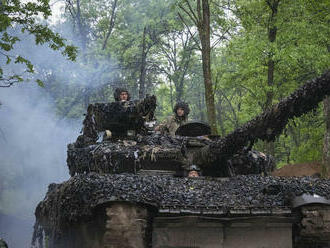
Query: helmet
117, 92
193, 167
184, 106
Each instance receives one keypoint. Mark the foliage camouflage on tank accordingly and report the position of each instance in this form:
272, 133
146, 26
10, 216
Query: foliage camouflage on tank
227, 156
76, 199
92, 162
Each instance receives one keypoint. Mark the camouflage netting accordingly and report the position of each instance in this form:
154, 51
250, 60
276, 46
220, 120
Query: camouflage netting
76, 198
74, 201
158, 152
118, 117
269, 124
125, 156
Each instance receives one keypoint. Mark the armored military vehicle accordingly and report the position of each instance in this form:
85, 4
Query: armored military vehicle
117, 138
130, 146
127, 185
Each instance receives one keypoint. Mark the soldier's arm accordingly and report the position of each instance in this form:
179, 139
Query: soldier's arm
163, 126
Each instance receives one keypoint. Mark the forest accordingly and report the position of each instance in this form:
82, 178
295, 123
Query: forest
229, 60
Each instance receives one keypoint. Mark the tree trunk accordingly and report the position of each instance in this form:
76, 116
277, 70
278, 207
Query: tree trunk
171, 93
111, 24
81, 28
326, 144
220, 118
180, 83
143, 66
272, 29
200, 104
201, 18
204, 34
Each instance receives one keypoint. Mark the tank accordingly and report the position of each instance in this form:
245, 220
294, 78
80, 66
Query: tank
118, 137
128, 185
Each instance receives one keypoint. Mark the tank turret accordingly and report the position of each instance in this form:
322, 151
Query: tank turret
137, 151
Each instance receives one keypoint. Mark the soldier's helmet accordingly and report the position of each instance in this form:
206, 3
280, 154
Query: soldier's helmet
184, 106
193, 167
117, 93
193, 171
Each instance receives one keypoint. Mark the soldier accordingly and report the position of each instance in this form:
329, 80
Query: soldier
193, 171
123, 97
130, 116
172, 123
121, 94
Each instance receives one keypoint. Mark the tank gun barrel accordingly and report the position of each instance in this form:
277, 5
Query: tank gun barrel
268, 125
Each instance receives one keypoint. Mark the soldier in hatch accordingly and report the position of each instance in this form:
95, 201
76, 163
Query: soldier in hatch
123, 97
130, 116
121, 94
193, 171
172, 123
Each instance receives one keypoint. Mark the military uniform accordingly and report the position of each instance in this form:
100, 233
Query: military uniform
117, 93
171, 124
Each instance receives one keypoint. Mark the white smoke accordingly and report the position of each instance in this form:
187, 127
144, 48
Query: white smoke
33, 140
32, 154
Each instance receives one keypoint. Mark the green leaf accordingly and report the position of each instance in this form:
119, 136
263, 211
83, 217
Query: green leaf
24, 16
8, 59
40, 83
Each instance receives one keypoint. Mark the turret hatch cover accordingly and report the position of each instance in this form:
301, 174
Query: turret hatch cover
194, 129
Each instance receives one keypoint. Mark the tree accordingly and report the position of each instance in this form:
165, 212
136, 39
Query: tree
326, 145
111, 23
272, 30
277, 47
201, 19
20, 17
268, 124
176, 50
141, 25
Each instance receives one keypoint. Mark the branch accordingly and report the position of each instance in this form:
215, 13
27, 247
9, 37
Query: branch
199, 10
193, 18
71, 9
3, 135
111, 25
192, 36
225, 7
222, 37
8, 85
231, 107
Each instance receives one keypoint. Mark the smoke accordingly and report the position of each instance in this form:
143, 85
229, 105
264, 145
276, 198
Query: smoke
33, 139
32, 153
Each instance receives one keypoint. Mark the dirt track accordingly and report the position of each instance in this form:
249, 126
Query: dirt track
299, 170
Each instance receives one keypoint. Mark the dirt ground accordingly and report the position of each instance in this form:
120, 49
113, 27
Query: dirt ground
299, 170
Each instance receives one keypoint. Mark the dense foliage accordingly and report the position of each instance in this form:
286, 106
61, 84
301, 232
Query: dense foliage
18, 17
260, 52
